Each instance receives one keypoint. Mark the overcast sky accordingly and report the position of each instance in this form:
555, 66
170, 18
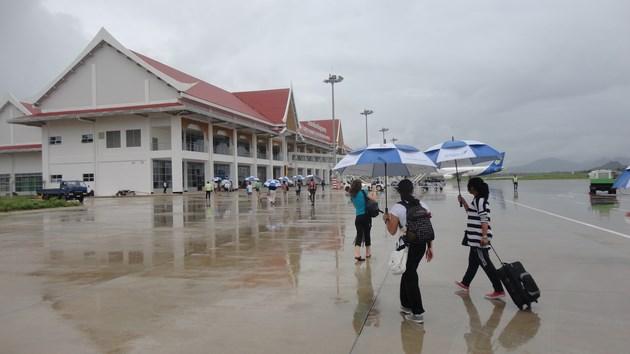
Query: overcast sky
534, 78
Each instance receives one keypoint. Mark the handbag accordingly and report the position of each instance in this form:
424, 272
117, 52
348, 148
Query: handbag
398, 257
371, 207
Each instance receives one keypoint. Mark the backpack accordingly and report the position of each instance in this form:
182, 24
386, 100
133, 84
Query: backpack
419, 227
371, 207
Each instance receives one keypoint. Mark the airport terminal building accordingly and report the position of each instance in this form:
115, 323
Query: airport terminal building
117, 120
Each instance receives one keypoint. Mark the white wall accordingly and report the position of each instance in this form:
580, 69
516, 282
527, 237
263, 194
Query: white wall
114, 168
13, 134
104, 79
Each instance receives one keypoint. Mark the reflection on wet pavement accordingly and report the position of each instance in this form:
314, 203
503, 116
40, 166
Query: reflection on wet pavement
166, 274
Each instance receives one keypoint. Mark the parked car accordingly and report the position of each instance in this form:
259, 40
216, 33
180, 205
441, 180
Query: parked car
68, 190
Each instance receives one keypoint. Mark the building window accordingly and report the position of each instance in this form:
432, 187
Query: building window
221, 144
88, 177
56, 178
87, 138
133, 138
54, 140
5, 184
28, 182
276, 152
113, 139
262, 151
193, 140
161, 173
242, 146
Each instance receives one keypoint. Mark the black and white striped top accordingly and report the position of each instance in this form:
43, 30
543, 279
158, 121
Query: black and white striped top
478, 213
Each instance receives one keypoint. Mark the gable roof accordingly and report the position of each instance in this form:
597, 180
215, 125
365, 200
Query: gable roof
25, 108
266, 106
321, 129
272, 104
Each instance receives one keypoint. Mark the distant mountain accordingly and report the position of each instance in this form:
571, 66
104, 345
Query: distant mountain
550, 164
559, 165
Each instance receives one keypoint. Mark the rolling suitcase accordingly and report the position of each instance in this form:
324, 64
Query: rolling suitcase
518, 283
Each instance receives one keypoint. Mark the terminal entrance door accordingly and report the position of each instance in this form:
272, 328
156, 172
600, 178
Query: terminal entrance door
195, 173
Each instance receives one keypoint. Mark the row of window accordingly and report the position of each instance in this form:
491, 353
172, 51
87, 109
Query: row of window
112, 138
87, 177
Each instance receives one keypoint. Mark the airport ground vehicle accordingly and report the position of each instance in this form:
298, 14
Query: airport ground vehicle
601, 180
68, 190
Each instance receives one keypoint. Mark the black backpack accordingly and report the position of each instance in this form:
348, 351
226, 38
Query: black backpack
371, 207
419, 227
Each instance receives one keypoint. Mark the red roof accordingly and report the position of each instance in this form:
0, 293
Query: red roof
32, 109
204, 90
270, 103
319, 129
21, 147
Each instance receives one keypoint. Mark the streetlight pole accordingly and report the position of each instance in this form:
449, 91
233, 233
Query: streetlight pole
383, 130
366, 113
332, 80
393, 140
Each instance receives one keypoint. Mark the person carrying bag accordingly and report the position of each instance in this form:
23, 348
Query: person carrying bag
413, 217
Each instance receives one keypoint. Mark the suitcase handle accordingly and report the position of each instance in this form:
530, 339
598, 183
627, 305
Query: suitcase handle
496, 254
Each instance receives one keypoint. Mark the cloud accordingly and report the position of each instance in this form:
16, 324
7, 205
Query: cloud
542, 79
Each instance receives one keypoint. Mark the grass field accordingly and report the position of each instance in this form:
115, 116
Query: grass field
539, 176
29, 203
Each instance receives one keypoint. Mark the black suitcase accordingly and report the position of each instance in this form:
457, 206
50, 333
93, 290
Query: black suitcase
518, 283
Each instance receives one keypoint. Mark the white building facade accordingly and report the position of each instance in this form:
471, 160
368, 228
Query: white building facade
118, 120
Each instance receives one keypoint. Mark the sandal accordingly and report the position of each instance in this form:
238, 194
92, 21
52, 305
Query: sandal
359, 259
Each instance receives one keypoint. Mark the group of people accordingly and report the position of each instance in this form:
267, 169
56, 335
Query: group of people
250, 186
477, 236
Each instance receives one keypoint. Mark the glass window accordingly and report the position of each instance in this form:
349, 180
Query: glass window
113, 139
28, 182
54, 140
221, 144
193, 140
56, 178
276, 153
161, 173
88, 177
242, 147
133, 138
5, 185
87, 138
262, 151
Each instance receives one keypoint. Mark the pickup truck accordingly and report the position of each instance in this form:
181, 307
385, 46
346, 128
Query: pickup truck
67, 190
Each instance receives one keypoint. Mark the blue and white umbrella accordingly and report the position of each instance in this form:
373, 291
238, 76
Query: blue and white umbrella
468, 152
252, 178
298, 178
270, 182
317, 179
378, 160
623, 181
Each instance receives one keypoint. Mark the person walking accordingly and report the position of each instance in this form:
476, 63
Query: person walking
362, 221
477, 236
312, 188
323, 184
272, 193
249, 188
298, 189
410, 298
515, 182
165, 186
209, 189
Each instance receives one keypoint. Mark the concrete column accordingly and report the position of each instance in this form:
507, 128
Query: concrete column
270, 156
210, 164
176, 155
234, 174
46, 156
254, 143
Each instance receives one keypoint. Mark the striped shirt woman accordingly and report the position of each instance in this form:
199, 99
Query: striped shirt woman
477, 237
478, 213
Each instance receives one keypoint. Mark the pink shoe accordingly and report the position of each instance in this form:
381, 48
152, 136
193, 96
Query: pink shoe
461, 286
495, 295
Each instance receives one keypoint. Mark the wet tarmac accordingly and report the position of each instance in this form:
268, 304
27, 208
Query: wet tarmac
171, 274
